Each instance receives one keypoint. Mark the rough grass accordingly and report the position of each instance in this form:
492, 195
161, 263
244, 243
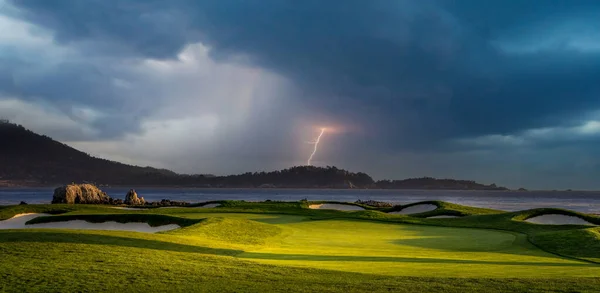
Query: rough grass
275, 246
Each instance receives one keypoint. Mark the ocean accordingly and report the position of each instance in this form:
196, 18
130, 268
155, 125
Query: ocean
582, 201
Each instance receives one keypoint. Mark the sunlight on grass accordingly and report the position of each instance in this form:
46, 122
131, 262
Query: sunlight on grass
232, 248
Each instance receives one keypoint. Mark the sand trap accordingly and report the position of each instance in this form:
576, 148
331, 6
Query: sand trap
557, 219
335, 206
18, 222
416, 209
443, 217
211, 205
130, 209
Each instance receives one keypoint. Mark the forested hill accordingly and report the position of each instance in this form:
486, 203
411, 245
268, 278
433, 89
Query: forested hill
433, 183
30, 159
27, 158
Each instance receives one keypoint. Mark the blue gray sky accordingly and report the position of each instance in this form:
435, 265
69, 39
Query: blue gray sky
504, 92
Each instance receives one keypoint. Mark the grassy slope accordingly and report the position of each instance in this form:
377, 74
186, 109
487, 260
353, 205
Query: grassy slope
583, 243
245, 240
62, 261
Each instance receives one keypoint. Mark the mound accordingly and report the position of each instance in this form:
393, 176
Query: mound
335, 206
416, 209
580, 243
240, 231
557, 219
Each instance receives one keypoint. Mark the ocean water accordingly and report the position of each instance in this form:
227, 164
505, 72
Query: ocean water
582, 201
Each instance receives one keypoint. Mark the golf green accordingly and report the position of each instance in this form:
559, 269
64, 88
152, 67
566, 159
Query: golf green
281, 247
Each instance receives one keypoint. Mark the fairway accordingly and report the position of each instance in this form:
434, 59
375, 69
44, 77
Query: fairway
395, 249
239, 246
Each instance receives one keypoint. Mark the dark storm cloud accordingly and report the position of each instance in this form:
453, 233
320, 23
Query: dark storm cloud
419, 72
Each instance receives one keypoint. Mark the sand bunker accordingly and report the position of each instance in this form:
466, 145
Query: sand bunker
557, 219
335, 206
211, 205
130, 209
416, 209
443, 217
18, 222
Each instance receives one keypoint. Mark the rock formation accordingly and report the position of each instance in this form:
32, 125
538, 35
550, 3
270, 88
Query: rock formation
132, 198
80, 193
374, 203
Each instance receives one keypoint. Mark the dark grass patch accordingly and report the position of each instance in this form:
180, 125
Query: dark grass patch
581, 243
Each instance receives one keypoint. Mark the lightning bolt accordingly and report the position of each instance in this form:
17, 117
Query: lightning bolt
316, 143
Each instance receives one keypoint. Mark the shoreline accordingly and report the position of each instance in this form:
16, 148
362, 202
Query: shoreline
300, 188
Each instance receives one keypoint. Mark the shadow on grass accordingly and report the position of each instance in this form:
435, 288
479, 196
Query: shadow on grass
16, 236
282, 219
350, 258
462, 239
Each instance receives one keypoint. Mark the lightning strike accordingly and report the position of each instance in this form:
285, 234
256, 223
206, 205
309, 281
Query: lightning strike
316, 143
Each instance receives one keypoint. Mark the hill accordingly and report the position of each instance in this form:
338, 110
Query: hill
433, 183
30, 159
27, 158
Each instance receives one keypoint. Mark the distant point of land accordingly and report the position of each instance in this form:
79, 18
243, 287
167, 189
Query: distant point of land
30, 159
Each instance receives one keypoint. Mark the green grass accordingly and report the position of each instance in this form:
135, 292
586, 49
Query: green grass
275, 246
581, 243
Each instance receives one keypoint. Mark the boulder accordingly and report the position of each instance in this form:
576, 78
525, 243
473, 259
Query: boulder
132, 198
80, 194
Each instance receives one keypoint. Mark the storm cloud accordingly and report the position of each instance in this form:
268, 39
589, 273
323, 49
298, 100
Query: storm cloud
473, 89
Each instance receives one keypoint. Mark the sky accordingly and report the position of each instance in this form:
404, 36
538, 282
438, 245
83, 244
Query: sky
504, 92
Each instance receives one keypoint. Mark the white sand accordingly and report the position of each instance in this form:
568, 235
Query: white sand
335, 206
211, 205
129, 209
557, 219
416, 209
18, 222
443, 217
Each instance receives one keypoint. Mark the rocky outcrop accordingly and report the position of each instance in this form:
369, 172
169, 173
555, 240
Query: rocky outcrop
169, 203
374, 203
80, 194
132, 198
